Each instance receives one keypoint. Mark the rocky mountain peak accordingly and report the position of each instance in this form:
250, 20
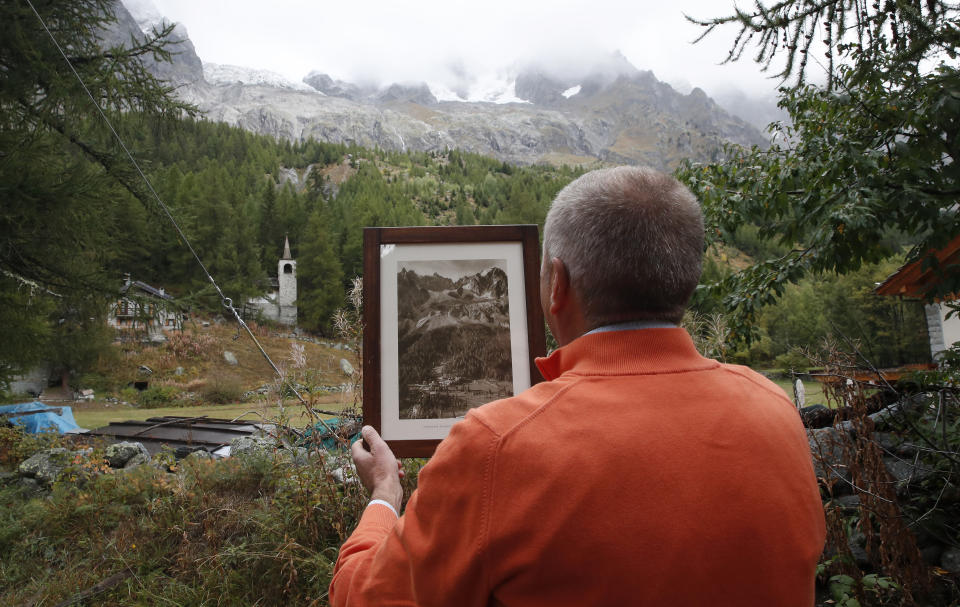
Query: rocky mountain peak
185, 69
334, 88
412, 93
597, 108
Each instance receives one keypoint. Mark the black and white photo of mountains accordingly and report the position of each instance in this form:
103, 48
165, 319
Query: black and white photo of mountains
453, 336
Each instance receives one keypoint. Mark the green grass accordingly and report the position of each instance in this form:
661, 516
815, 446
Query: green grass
813, 389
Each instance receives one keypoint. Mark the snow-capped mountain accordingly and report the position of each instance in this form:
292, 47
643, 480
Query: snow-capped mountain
608, 111
489, 88
216, 73
146, 14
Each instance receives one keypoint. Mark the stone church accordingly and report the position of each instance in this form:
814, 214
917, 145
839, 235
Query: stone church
280, 305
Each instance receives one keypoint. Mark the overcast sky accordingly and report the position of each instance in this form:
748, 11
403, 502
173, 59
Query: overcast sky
433, 40
452, 269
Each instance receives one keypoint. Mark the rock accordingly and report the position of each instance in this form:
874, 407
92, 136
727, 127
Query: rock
231, 358
250, 445
7, 477
905, 472
47, 465
119, 454
829, 462
950, 559
178, 371
848, 502
907, 449
30, 485
931, 555
888, 442
346, 367
299, 456
198, 455
267, 431
889, 416
857, 543
137, 460
817, 416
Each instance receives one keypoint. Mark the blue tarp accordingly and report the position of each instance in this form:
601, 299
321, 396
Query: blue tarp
333, 423
42, 422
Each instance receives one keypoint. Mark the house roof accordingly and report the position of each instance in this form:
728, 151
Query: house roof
147, 289
913, 280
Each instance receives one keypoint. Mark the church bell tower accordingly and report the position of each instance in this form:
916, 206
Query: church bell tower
287, 285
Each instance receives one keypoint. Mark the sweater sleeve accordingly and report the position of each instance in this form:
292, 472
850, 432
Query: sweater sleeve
434, 554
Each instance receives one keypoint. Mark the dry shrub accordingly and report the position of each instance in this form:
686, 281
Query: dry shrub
222, 389
184, 345
194, 385
890, 543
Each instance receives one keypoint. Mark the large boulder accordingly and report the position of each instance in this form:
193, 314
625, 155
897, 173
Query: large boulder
905, 472
46, 466
950, 559
829, 457
126, 455
251, 445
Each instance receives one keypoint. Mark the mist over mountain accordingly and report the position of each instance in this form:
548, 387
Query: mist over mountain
596, 108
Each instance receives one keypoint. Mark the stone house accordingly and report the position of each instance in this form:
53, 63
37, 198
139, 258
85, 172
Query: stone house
144, 312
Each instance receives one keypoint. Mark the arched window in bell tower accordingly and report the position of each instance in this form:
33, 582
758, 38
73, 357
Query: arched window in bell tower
288, 268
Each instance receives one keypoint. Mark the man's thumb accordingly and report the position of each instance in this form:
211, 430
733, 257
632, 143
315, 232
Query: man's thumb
371, 437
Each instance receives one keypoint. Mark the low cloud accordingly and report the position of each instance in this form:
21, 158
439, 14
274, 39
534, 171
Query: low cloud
450, 41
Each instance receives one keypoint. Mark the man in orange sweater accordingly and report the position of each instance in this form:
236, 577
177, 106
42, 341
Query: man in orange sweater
639, 473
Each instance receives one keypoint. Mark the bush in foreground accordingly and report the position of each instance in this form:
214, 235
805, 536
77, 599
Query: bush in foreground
239, 531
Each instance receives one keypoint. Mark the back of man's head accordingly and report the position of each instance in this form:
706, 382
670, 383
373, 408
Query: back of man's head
631, 239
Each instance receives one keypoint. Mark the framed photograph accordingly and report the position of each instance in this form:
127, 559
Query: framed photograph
452, 320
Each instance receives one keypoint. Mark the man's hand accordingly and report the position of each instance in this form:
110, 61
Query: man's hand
378, 469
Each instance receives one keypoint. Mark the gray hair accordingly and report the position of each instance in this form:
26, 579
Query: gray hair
632, 241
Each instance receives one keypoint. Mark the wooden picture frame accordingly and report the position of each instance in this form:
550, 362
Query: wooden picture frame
451, 318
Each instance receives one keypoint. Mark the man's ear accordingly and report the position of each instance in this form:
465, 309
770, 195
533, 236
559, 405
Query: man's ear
559, 286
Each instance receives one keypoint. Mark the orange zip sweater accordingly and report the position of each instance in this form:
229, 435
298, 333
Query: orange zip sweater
640, 474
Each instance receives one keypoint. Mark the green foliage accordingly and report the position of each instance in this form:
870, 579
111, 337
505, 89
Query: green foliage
889, 332
129, 394
859, 165
23, 314
158, 396
844, 589
68, 201
240, 531
939, 437
320, 276
78, 217
17, 445
793, 360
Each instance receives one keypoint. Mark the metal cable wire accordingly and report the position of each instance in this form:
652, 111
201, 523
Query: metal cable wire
226, 301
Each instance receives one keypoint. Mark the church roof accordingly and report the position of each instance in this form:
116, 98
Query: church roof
286, 249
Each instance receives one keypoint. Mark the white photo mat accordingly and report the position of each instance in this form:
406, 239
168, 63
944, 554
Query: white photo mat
391, 255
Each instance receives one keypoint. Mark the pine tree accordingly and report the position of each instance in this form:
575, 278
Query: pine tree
60, 174
320, 276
